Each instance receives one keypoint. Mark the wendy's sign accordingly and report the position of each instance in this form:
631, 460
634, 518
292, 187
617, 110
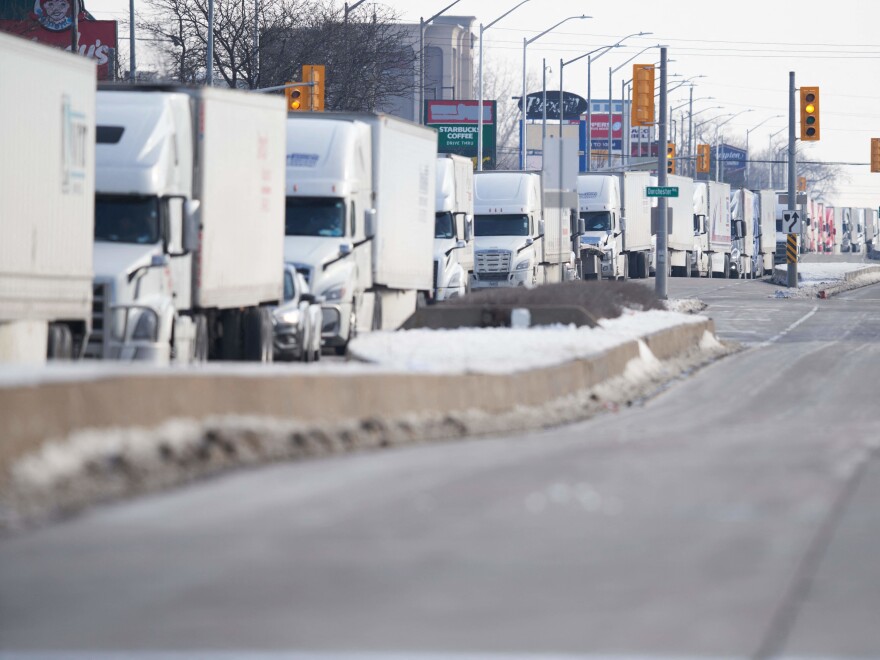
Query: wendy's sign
50, 23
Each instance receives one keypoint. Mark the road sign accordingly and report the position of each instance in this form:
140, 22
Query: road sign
791, 222
791, 249
662, 191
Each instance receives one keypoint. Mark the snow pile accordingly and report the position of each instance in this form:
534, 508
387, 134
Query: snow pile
507, 350
686, 305
831, 277
822, 273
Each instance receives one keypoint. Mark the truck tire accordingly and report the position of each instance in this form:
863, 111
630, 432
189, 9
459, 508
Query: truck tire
231, 339
257, 335
687, 265
642, 269
727, 270
200, 346
59, 345
352, 332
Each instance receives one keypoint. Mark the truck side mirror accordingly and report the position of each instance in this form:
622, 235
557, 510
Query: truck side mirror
191, 225
540, 227
622, 223
582, 226
370, 223
468, 228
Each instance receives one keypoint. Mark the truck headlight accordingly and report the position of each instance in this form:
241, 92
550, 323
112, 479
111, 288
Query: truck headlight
522, 265
336, 293
147, 326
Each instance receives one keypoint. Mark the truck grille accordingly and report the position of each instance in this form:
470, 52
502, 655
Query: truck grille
492, 277
100, 320
492, 261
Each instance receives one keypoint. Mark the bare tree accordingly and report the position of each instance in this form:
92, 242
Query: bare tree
368, 58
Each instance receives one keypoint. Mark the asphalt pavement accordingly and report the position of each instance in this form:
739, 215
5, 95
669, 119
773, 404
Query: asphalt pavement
732, 515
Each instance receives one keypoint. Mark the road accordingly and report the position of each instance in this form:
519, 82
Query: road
732, 515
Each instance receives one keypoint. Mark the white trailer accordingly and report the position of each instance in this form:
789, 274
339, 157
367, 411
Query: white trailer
718, 219
742, 212
872, 230
47, 184
617, 222
702, 265
683, 250
765, 230
361, 196
509, 230
189, 224
453, 227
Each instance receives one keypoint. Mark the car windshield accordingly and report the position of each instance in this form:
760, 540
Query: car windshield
127, 219
315, 216
501, 225
597, 220
444, 226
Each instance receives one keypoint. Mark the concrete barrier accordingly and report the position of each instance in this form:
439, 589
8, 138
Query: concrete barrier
34, 414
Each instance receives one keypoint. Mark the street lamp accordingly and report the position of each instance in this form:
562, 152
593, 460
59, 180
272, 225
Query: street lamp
422, 24
590, 60
526, 42
480, 84
611, 72
773, 153
718, 147
749, 130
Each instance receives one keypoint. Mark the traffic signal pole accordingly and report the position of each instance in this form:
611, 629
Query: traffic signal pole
792, 175
662, 203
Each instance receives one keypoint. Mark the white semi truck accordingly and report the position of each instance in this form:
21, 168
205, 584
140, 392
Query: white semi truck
718, 224
361, 217
685, 252
47, 185
742, 226
518, 241
189, 224
765, 230
453, 227
617, 222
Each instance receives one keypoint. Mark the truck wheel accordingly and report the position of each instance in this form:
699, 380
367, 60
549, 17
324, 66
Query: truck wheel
200, 345
59, 345
257, 335
642, 270
727, 269
231, 339
687, 265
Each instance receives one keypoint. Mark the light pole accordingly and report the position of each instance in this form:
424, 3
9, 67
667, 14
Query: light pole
483, 28
749, 130
611, 72
348, 50
718, 146
690, 145
773, 153
526, 42
209, 74
422, 24
132, 69
590, 60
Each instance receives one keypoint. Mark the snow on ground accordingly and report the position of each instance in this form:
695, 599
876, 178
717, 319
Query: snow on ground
818, 273
489, 350
685, 305
815, 277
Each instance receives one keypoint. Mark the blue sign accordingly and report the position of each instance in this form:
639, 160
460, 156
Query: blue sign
733, 158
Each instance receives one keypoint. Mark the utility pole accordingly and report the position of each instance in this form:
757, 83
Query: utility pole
132, 69
74, 27
792, 179
662, 202
209, 72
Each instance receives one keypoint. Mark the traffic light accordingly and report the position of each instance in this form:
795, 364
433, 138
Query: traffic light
296, 98
809, 114
802, 184
643, 95
314, 73
670, 157
875, 154
703, 158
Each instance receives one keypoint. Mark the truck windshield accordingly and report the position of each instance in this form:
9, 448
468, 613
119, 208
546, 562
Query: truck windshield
597, 220
444, 226
315, 216
126, 219
501, 225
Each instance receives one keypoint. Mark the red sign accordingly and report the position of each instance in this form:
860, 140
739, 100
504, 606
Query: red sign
599, 125
96, 38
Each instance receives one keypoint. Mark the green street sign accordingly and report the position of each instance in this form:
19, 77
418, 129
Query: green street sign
662, 191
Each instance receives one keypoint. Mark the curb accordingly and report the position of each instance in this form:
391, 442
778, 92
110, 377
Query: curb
35, 414
780, 278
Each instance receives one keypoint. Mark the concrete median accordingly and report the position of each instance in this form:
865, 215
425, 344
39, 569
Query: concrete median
36, 415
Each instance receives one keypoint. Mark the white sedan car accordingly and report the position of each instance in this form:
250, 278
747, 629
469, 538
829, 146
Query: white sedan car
297, 321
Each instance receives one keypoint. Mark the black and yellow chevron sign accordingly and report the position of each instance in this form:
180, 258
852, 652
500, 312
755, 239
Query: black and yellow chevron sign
791, 249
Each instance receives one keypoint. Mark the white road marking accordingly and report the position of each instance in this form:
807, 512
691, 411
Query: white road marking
782, 334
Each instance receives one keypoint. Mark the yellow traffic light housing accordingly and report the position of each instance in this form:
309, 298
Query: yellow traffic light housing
670, 158
703, 158
875, 154
643, 95
295, 98
809, 114
314, 73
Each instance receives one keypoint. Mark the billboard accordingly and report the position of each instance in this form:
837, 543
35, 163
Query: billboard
733, 158
50, 23
573, 106
457, 125
599, 131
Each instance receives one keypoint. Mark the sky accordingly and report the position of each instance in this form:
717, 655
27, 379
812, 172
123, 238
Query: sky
743, 50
